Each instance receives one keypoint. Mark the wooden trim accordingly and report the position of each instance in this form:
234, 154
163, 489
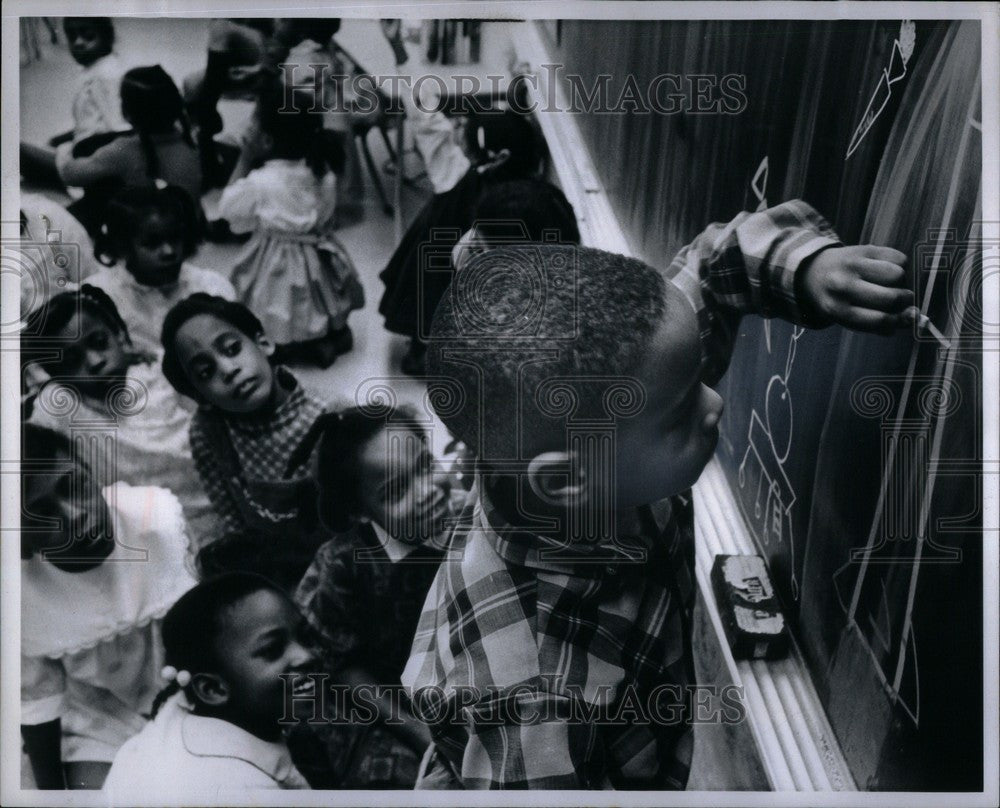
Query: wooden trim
795, 742
571, 160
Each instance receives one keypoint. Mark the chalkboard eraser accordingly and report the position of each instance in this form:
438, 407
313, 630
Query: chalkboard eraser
751, 617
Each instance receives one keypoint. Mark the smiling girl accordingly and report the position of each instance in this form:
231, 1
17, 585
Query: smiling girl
392, 505
250, 438
235, 658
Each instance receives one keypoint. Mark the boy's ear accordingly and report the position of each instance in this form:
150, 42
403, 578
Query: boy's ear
554, 479
210, 689
265, 344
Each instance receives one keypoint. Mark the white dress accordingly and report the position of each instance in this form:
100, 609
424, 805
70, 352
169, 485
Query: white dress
144, 307
138, 437
90, 641
293, 274
183, 758
97, 105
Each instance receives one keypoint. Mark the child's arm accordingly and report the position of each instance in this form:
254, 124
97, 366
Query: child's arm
408, 729
238, 203
212, 477
785, 261
105, 163
327, 598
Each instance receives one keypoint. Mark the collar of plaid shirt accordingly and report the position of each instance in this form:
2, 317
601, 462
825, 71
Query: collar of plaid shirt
620, 609
633, 540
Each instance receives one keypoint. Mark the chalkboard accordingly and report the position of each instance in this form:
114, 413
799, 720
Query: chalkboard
855, 459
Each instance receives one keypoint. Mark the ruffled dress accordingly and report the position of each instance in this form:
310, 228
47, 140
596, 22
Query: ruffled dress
91, 653
292, 273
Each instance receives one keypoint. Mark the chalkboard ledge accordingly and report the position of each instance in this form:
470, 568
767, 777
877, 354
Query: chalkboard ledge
796, 744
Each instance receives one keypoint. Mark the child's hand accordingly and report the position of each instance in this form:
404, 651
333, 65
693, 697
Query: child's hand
859, 287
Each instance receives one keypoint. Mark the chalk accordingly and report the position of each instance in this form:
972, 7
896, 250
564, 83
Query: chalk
924, 323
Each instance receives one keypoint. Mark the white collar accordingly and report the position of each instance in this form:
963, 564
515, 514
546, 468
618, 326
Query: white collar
204, 736
394, 548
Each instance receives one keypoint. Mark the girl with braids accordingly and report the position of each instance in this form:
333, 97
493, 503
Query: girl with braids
158, 150
293, 273
234, 657
100, 566
99, 379
153, 231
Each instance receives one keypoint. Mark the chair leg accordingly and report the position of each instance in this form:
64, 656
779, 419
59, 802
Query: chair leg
388, 143
370, 162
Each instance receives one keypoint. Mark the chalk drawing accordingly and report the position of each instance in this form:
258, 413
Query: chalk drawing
759, 187
900, 676
902, 50
770, 438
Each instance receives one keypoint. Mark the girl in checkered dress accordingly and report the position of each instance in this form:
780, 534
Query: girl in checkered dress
251, 438
392, 507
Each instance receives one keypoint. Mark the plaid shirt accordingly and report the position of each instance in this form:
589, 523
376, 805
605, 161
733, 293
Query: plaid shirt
553, 640
264, 446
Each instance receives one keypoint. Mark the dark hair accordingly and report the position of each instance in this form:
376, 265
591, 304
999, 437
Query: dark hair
236, 314
295, 129
593, 312
152, 104
530, 210
129, 208
104, 26
192, 626
51, 317
338, 470
40, 444
505, 130
42, 447
298, 29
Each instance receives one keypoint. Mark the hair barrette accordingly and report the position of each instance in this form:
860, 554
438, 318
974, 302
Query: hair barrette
171, 674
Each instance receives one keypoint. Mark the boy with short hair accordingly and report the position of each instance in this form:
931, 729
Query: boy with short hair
554, 650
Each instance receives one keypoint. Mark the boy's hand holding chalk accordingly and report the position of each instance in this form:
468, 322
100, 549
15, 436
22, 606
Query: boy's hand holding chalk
859, 287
